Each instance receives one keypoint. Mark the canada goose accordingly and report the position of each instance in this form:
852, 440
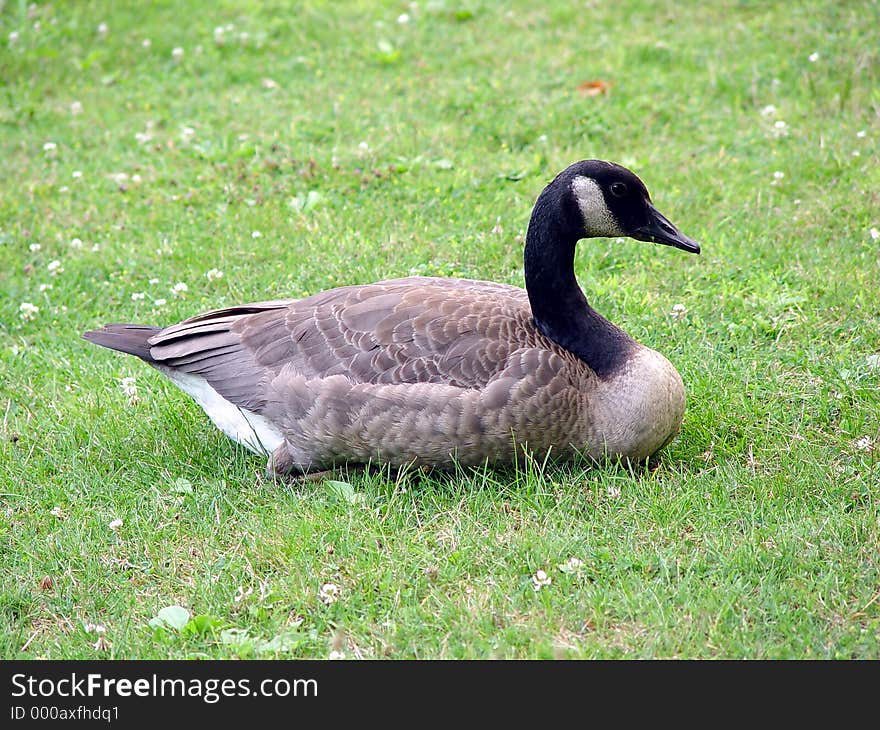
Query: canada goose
427, 370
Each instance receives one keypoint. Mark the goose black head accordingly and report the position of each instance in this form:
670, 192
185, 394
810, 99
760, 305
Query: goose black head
612, 201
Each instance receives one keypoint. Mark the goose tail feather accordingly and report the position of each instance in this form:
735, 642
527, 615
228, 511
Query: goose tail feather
129, 338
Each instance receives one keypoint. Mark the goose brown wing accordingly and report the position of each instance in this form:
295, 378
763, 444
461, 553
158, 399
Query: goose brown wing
417, 330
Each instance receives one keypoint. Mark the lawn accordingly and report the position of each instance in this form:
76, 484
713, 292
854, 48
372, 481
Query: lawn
166, 158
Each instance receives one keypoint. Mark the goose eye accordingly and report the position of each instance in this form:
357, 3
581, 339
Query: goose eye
618, 189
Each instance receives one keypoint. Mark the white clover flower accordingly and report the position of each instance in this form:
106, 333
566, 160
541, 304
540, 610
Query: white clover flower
768, 111
864, 443
780, 128
103, 28
56, 511
115, 524
187, 132
572, 565
153, 281
336, 654
27, 311
403, 19
241, 593
385, 47
256, 234
813, 57
76, 243
130, 391
179, 288
143, 137
34, 247
136, 179
329, 593
146, 43
76, 174
13, 38
778, 175
160, 302
613, 492
138, 295
50, 148
861, 134
214, 274
91, 628
54, 267
269, 83
874, 233
679, 312
45, 287
76, 108
540, 580
177, 53
96, 247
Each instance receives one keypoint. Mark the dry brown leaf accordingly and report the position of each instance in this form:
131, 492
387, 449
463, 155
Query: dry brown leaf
593, 88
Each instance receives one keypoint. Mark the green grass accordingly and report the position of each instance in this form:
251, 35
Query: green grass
759, 533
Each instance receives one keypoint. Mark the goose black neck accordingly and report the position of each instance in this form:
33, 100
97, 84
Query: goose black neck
559, 307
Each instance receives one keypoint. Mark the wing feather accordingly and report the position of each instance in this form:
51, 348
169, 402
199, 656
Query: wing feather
416, 330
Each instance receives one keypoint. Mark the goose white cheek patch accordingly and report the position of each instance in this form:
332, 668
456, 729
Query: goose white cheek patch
598, 220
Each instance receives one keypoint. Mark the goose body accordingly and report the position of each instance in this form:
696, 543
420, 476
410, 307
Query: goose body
427, 370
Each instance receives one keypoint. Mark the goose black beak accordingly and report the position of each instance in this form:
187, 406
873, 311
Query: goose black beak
658, 229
